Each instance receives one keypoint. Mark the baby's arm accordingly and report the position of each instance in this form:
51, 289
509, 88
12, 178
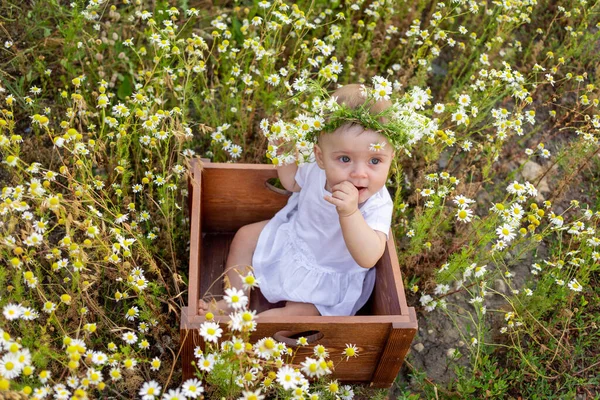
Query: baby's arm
287, 176
365, 244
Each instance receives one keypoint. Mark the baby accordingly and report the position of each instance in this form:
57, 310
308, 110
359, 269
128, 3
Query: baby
317, 253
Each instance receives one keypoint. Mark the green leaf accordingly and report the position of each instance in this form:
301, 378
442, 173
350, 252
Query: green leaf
125, 88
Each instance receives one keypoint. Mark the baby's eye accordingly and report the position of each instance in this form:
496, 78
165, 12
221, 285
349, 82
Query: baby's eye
344, 159
375, 161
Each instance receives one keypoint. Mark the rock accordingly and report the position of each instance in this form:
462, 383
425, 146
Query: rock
531, 172
430, 331
444, 159
500, 286
419, 347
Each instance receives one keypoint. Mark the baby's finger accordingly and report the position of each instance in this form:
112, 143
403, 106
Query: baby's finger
336, 202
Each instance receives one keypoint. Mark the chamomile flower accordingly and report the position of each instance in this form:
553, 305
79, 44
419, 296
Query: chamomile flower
129, 337
376, 146
206, 363
150, 390
462, 201
252, 395
464, 215
506, 232
250, 281
210, 331
235, 298
575, 286
350, 351
12, 311
286, 377
173, 394
192, 388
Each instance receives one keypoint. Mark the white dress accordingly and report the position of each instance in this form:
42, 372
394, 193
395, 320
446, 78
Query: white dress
301, 255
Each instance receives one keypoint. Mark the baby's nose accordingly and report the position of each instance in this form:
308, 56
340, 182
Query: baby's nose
359, 172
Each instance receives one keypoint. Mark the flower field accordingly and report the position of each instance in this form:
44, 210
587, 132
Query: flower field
103, 103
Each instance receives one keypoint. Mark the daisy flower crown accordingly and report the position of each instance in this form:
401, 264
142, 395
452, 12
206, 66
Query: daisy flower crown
400, 123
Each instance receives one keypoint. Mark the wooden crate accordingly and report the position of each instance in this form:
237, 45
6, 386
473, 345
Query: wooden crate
225, 197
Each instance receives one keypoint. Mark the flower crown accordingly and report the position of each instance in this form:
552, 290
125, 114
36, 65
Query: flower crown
400, 123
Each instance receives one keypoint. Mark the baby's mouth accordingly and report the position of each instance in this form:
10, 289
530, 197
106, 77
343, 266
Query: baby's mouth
359, 188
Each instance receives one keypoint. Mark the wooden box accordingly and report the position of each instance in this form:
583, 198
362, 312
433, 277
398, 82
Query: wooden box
223, 198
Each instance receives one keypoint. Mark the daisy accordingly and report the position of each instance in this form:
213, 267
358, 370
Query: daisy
575, 286
439, 108
99, 358
10, 367
12, 311
235, 298
376, 146
286, 377
250, 281
206, 363
210, 331
506, 232
459, 117
462, 201
235, 151
49, 307
247, 395
129, 337
149, 390
350, 351
464, 215
347, 392
310, 367
115, 374
173, 394
192, 388
155, 364
464, 100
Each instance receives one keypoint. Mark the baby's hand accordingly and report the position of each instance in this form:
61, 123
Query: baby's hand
344, 196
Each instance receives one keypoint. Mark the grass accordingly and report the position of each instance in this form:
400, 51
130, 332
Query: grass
110, 186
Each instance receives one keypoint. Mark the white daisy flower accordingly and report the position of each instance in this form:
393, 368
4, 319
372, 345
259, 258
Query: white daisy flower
210, 331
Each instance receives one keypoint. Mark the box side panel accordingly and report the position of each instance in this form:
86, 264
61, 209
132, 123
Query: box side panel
370, 340
214, 257
398, 284
234, 197
189, 339
195, 193
386, 294
392, 357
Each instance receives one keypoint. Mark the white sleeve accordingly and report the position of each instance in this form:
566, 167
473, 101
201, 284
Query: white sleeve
378, 214
302, 172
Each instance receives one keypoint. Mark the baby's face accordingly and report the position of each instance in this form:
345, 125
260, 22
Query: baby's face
347, 155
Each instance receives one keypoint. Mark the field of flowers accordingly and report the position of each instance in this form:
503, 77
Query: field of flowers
104, 102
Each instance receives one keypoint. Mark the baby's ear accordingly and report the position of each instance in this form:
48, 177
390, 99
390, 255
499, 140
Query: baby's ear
319, 156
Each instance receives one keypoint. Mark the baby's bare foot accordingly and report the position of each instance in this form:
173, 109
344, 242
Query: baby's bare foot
216, 307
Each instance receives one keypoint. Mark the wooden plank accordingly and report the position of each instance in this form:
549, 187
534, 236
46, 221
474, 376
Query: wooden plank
214, 257
398, 287
386, 298
392, 357
195, 194
238, 195
188, 339
370, 340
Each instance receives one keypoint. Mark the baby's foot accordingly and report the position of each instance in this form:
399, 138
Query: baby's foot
216, 307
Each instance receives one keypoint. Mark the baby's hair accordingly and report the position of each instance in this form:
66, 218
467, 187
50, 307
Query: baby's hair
352, 96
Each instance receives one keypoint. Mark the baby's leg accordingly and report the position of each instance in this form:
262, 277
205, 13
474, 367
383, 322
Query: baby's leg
292, 308
239, 257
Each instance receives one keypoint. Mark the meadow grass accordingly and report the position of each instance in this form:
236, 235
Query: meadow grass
105, 102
